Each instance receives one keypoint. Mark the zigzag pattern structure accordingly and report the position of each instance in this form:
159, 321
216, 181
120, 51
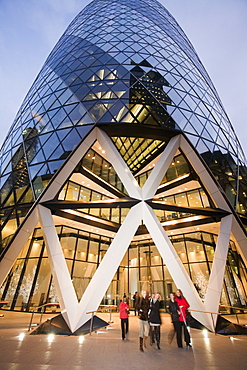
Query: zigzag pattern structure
142, 211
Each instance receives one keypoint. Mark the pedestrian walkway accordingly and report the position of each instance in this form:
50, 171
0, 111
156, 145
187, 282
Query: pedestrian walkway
106, 350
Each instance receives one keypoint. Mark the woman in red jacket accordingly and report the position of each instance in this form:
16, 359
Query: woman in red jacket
124, 316
183, 305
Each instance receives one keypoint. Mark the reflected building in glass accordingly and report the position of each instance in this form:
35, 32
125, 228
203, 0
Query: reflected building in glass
122, 173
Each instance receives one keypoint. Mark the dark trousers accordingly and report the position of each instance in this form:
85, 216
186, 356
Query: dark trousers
186, 334
155, 333
178, 330
136, 310
124, 327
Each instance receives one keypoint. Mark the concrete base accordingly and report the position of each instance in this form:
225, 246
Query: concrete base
58, 326
226, 327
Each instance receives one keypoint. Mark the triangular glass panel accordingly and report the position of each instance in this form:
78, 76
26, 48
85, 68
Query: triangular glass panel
202, 147
96, 110
100, 88
57, 116
55, 165
39, 157
71, 140
107, 95
94, 78
62, 133
33, 170
58, 153
206, 135
51, 144
56, 104
77, 113
68, 108
193, 139
190, 129
138, 153
82, 92
66, 123
118, 110
107, 117
86, 119
83, 130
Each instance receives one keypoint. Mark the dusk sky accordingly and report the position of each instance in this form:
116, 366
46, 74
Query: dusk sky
29, 29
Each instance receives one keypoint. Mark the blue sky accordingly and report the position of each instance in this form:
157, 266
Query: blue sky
217, 29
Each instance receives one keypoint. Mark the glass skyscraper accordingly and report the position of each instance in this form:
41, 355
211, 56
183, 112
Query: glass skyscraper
122, 173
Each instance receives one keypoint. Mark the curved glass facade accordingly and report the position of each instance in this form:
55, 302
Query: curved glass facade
127, 68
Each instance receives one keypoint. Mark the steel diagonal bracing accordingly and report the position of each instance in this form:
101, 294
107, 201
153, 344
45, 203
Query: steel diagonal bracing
74, 312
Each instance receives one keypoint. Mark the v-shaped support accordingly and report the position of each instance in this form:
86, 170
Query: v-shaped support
75, 313
107, 268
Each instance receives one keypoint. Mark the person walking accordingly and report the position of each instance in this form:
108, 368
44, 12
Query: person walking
174, 312
124, 316
143, 309
155, 320
136, 301
183, 305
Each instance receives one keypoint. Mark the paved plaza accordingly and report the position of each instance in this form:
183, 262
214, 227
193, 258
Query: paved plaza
106, 350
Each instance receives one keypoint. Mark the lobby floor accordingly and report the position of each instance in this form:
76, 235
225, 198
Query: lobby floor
106, 350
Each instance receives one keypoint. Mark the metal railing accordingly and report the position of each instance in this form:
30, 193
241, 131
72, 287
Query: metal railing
221, 314
91, 322
42, 311
212, 318
234, 313
107, 308
103, 309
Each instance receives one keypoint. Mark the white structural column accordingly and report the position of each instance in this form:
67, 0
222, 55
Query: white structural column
18, 243
119, 165
160, 169
105, 272
26, 229
74, 313
175, 265
63, 284
212, 298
